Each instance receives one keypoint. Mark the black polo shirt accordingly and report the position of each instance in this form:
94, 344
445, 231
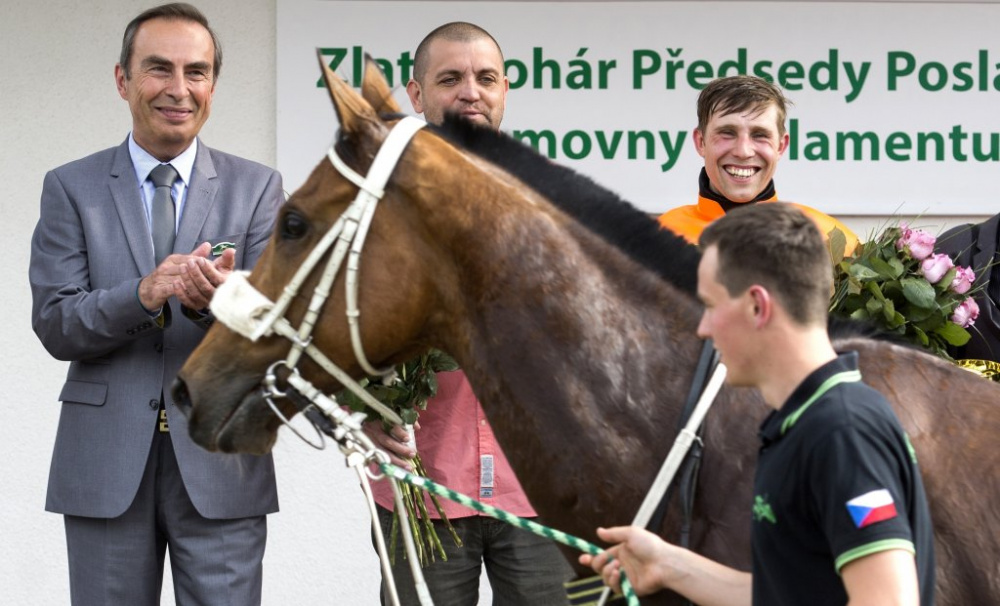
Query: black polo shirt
836, 480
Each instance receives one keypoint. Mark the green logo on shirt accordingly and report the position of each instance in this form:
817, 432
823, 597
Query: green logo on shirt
762, 510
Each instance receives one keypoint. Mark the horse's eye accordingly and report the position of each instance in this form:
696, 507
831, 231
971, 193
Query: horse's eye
293, 226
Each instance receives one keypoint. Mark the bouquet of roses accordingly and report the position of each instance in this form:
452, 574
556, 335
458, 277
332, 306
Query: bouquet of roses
415, 384
897, 282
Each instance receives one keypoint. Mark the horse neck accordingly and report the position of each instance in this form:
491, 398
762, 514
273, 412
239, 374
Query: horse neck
572, 348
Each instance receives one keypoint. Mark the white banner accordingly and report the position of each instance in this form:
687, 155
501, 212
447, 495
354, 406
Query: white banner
895, 104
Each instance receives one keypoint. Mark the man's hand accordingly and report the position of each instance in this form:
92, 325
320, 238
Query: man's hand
198, 277
638, 550
157, 287
396, 443
652, 564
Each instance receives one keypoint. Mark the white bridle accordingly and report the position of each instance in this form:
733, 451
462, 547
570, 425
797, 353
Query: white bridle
248, 312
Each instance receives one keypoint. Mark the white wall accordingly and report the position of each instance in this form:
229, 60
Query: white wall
57, 103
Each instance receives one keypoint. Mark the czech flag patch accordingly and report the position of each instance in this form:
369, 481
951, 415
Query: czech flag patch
872, 507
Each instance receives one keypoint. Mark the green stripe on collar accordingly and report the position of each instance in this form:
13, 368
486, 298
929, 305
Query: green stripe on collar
849, 376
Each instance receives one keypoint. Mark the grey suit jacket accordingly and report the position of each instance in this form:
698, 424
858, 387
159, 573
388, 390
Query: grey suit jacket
976, 246
89, 251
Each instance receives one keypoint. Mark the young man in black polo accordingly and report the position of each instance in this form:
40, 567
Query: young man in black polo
839, 512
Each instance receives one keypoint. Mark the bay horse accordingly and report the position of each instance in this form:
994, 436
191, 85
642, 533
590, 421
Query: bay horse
574, 317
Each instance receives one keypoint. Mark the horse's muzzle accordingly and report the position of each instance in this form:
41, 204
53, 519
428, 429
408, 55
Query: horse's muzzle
182, 400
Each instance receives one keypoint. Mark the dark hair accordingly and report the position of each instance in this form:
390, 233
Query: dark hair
456, 31
776, 246
740, 94
177, 10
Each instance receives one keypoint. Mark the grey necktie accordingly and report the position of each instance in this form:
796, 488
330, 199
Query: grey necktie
164, 224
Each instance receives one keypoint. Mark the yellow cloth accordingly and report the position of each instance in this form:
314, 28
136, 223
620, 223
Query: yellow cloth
984, 368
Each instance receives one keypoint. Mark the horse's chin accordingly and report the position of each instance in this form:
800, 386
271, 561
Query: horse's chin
251, 428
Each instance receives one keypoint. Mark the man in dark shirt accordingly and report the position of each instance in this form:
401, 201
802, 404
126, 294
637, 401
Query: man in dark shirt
839, 511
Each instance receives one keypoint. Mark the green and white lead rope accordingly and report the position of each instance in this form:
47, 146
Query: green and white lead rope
544, 531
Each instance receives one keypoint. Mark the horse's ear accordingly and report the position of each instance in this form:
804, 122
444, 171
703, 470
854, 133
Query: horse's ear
375, 89
352, 110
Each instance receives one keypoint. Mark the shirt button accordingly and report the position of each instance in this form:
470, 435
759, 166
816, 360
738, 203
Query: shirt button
158, 347
483, 422
154, 404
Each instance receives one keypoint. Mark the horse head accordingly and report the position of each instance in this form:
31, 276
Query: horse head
221, 381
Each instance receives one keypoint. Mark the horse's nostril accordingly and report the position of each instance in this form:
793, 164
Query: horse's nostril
179, 393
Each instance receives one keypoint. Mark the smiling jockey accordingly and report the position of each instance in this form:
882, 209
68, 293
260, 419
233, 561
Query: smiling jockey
741, 135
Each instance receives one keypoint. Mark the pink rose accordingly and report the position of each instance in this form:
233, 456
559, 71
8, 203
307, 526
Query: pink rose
935, 267
916, 242
966, 313
964, 277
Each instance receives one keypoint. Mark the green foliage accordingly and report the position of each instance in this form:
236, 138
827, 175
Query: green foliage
415, 383
883, 284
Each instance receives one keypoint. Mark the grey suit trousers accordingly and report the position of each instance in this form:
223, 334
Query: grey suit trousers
119, 561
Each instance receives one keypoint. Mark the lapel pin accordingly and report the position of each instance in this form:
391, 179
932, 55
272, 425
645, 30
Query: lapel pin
219, 248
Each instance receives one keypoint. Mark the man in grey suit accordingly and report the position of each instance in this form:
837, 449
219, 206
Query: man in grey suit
116, 295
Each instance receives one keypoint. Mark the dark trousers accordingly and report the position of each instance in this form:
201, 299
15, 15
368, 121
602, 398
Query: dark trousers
523, 569
119, 561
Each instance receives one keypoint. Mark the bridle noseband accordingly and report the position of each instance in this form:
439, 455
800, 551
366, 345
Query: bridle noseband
250, 313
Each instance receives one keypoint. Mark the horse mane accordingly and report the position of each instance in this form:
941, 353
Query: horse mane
599, 210
606, 214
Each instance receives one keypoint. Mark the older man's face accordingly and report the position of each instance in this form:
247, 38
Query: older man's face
465, 78
171, 85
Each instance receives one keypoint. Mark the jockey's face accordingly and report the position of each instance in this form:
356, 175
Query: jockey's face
741, 152
729, 321
465, 78
171, 84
